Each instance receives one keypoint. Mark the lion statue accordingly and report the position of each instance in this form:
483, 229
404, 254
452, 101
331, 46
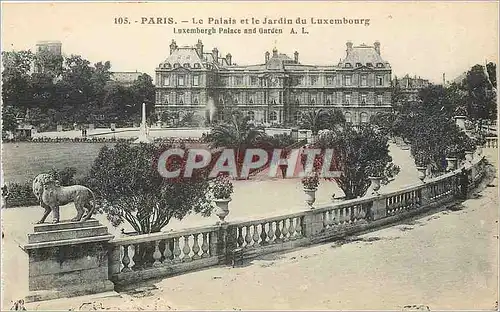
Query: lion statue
38, 183
52, 195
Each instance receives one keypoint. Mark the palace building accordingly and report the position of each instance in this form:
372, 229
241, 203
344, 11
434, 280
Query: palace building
278, 91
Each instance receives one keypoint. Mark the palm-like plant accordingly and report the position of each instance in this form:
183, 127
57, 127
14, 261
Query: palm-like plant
321, 119
239, 135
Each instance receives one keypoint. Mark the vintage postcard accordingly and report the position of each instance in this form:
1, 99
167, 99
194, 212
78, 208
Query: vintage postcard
249, 155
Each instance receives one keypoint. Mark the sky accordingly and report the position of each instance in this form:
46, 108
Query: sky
424, 39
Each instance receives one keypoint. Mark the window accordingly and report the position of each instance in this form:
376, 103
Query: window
329, 80
177, 65
348, 117
369, 64
348, 65
251, 98
221, 100
380, 80
254, 81
196, 80
314, 80
364, 117
236, 98
380, 65
238, 80
347, 99
165, 98
180, 98
166, 80
251, 115
363, 99
380, 99
297, 100
347, 80
364, 80
358, 65
186, 65
297, 116
328, 102
197, 65
196, 97
180, 80
273, 116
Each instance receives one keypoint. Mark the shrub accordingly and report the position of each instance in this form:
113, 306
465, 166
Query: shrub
310, 182
222, 188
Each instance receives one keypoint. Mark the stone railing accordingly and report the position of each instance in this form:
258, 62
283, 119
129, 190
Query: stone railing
71, 259
197, 248
491, 142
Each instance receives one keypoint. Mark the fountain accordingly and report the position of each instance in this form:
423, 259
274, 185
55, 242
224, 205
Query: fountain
143, 131
211, 109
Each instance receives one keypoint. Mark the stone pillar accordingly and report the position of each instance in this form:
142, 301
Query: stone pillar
379, 209
313, 224
68, 259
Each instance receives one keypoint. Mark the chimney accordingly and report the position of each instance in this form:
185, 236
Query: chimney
215, 54
173, 46
296, 57
444, 80
267, 56
377, 46
228, 58
349, 47
275, 52
199, 48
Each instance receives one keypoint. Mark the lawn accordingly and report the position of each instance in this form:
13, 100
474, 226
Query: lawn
23, 161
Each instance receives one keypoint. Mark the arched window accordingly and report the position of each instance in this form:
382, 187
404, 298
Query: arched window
348, 65
176, 65
197, 65
348, 117
358, 65
380, 65
251, 115
364, 117
186, 65
273, 116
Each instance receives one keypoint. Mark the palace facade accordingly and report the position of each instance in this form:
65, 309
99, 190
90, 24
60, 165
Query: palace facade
277, 91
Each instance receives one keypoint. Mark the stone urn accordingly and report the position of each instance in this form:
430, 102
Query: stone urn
375, 184
421, 172
310, 196
451, 163
222, 208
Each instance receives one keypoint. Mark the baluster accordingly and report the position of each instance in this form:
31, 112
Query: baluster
331, 218
137, 256
325, 220
299, 227
263, 235
204, 246
291, 229
337, 216
157, 254
177, 250
240, 239
278, 232
168, 252
126, 259
186, 250
351, 214
270, 233
255, 236
196, 247
284, 230
248, 237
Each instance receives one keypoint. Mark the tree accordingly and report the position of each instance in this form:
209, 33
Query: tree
481, 98
240, 134
357, 155
9, 121
321, 119
16, 79
132, 190
144, 92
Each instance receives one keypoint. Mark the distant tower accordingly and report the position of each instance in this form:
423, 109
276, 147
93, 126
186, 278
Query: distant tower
444, 79
48, 47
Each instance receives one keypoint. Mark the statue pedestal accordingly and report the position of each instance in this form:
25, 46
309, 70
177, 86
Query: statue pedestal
68, 259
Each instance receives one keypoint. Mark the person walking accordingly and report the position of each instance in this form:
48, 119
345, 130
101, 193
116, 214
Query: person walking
464, 183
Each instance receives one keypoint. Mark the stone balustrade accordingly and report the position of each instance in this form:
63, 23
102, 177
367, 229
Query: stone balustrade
141, 257
491, 142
